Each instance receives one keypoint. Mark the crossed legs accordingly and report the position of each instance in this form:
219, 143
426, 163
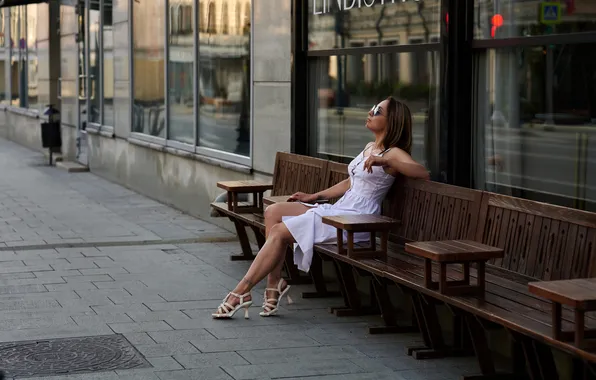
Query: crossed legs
270, 259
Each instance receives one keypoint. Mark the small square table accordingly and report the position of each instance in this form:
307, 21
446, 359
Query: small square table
580, 294
371, 224
463, 252
234, 188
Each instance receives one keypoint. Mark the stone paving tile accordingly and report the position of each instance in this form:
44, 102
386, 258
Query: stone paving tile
210, 359
132, 327
156, 315
206, 373
357, 376
292, 369
163, 363
302, 354
180, 336
139, 338
56, 332
167, 349
283, 341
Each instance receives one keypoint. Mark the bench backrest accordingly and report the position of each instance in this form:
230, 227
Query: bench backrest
294, 172
542, 241
336, 173
432, 210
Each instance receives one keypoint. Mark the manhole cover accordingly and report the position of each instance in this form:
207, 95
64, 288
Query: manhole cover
69, 355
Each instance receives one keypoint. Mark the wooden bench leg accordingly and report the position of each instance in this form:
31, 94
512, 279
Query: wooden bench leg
461, 338
388, 312
316, 273
540, 363
259, 235
353, 304
483, 352
583, 370
244, 242
432, 335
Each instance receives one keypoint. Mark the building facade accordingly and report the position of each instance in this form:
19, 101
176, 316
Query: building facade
164, 96
170, 96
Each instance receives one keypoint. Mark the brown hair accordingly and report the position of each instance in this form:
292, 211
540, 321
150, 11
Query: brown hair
399, 126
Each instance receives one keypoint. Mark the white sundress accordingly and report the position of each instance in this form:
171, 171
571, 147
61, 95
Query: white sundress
365, 196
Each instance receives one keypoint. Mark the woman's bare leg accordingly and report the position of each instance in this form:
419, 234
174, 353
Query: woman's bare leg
271, 257
273, 216
266, 260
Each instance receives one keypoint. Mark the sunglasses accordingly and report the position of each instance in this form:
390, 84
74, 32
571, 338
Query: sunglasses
376, 110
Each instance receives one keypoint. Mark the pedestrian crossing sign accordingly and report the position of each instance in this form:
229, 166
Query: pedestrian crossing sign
550, 13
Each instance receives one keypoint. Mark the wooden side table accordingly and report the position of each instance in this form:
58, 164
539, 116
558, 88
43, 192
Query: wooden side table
245, 187
464, 252
362, 223
580, 294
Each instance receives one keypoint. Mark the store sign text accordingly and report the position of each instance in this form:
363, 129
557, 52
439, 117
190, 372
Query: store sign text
324, 6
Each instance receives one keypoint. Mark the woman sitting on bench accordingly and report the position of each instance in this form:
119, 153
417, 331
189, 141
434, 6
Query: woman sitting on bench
299, 222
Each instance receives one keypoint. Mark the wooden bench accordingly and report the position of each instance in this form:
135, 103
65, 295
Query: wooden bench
292, 173
539, 242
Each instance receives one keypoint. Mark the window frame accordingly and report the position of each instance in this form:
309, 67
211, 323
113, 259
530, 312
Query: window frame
480, 49
304, 140
198, 6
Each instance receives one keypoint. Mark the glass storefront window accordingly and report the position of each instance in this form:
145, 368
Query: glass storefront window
148, 67
339, 24
224, 80
94, 89
346, 87
537, 124
181, 97
4, 60
32, 58
522, 18
18, 59
108, 65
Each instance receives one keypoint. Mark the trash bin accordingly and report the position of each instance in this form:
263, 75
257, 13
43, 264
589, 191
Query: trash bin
51, 136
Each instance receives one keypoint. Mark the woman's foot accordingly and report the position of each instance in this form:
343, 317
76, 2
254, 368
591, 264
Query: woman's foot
231, 304
273, 297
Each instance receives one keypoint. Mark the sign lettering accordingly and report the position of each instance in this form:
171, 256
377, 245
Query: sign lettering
324, 6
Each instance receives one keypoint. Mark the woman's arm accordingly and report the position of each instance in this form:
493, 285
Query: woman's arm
401, 162
334, 191
397, 161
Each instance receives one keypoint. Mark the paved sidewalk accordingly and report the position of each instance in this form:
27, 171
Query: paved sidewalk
41, 206
129, 271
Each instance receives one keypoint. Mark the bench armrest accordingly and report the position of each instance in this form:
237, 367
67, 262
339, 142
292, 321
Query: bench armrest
244, 186
361, 223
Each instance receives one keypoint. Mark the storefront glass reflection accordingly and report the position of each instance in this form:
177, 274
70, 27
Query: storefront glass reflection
181, 71
348, 86
94, 67
18, 58
148, 67
341, 24
108, 65
537, 124
224, 81
522, 18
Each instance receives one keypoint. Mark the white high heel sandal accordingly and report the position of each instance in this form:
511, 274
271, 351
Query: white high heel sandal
270, 308
225, 310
